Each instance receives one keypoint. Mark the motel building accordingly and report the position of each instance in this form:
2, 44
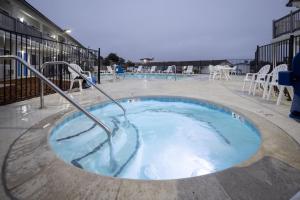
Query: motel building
170, 130
27, 33
285, 41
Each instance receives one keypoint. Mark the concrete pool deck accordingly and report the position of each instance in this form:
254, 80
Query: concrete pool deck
31, 169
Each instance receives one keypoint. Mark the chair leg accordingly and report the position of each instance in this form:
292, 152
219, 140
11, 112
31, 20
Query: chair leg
80, 85
281, 89
244, 84
71, 85
265, 87
250, 87
269, 93
254, 89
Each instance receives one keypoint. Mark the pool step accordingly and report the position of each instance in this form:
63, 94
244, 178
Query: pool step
76, 161
126, 142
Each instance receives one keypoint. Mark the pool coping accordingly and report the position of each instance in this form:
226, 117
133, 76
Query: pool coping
259, 122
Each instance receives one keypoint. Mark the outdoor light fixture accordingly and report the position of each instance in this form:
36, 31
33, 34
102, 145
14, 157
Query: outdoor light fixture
21, 19
53, 36
67, 31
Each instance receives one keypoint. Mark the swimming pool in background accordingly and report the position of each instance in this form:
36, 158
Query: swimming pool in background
164, 138
149, 76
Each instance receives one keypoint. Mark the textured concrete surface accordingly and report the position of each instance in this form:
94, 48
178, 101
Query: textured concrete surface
31, 170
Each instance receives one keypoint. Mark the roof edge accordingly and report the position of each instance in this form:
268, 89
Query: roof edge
28, 5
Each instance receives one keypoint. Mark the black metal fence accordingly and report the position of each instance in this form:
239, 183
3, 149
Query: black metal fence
287, 24
277, 53
17, 83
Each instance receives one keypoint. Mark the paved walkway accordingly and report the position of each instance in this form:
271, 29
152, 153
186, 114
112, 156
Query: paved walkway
274, 173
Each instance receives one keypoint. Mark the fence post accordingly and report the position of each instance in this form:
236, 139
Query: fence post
274, 29
291, 22
99, 65
256, 58
60, 46
291, 51
79, 54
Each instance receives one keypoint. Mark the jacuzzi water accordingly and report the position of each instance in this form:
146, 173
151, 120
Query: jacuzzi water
164, 138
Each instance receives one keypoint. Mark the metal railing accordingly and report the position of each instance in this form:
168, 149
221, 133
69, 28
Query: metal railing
82, 76
17, 83
277, 53
59, 91
12, 24
287, 24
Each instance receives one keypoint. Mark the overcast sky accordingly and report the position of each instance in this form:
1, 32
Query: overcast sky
168, 29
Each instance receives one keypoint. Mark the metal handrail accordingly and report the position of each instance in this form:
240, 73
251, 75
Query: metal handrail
175, 72
58, 90
81, 75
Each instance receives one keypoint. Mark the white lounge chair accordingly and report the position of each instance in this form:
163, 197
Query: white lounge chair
184, 69
261, 80
234, 70
169, 70
109, 70
153, 69
189, 70
251, 77
272, 81
217, 72
75, 77
211, 72
140, 69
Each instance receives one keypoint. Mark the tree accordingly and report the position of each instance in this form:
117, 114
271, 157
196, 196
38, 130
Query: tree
113, 58
129, 64
121, 61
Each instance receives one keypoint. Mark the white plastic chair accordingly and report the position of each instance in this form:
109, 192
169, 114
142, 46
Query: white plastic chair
153, 69
274, 82
109, 69
217, 71
211, 72
261, 80
184, 69
76, 78
251, 77
140, 69
169, 70
233, 71
189, 70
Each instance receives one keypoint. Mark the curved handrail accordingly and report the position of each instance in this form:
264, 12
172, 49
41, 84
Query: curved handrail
81, 75
58, 90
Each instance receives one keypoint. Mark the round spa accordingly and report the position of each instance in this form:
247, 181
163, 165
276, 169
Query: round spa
162, 138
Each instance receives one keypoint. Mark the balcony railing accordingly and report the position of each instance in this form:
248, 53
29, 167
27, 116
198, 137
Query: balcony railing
287, 24
11, 24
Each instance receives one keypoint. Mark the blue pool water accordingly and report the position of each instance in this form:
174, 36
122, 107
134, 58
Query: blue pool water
149, 76
164, 138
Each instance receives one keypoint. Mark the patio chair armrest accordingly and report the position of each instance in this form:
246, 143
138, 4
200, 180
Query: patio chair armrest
250, 74
87, 73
